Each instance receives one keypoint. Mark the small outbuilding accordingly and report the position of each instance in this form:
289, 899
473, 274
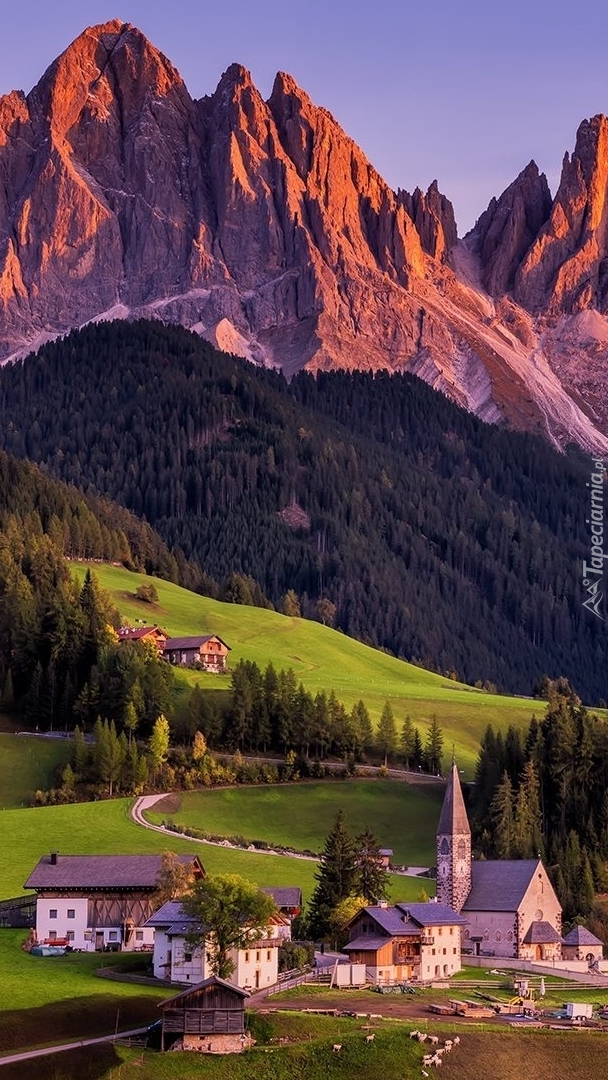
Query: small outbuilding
581, 944
208, 1018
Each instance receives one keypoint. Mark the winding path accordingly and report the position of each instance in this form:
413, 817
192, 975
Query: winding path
146, 802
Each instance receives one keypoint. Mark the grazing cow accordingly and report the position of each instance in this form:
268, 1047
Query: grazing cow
370, 1038
336, 1048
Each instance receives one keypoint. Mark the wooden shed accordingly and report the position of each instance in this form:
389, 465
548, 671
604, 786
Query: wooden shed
208, 1018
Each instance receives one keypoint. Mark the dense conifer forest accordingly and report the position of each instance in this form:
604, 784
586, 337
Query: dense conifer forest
377, 502
546, 794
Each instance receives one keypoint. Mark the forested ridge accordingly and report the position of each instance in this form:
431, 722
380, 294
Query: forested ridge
432, 535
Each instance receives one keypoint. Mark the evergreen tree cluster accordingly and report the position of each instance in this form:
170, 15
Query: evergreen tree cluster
86, 527
349, 869
271, 711
369, 502
546, 795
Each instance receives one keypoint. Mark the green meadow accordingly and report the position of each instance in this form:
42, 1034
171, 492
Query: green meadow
403, 816
27, 763
322, 659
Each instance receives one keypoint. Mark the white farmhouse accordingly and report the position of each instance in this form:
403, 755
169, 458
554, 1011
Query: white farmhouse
98, 902
177, 960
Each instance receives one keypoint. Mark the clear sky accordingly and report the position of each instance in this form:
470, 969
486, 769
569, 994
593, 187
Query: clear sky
455, 90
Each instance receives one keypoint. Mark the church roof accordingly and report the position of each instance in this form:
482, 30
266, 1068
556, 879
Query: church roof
541, 933
499, 884
453, 819
579, 935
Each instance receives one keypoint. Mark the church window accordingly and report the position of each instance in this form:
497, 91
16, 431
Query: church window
498, 935
462, 849
486, 935
444, 847
467, 935
510, 936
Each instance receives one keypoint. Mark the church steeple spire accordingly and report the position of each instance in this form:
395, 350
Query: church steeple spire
453, 846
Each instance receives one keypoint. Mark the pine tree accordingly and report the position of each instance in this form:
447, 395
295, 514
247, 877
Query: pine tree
373, 879
386, 735
408, 742
336, 877
501, 814
434, 747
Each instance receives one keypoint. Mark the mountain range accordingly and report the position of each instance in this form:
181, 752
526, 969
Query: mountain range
262, 226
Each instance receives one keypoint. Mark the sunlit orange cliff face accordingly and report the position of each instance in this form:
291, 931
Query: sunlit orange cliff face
264, 227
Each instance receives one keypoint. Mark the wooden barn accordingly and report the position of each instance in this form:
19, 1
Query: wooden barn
208, 1018
153, 634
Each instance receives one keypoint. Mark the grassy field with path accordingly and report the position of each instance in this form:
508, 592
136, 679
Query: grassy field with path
403, 816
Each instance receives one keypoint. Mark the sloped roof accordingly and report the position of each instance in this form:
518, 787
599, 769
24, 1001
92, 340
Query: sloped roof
580, 935
432, 914
212, 981
366, 943
541, 933
192, 642
285, 896
406, 919
99, 871
499, 884
453, 819
136, 633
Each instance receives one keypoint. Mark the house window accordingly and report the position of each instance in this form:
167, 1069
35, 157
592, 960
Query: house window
69, 935
88, 935
440, 931
71, 913
52, 935
139, 935
268, 954
246, 956
444, 951
53, 913
187, 958
451, 929
113, 935
257, 956
433, 953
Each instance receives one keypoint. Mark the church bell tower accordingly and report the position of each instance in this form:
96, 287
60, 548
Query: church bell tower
453, 846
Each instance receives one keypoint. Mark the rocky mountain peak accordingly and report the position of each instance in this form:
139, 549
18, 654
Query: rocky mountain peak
262, 225
505, 231
566, 268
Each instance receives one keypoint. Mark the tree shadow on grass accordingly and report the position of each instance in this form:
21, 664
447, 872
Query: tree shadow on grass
75, 1018
86, 1063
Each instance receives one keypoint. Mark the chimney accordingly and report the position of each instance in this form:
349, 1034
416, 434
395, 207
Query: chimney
54, 858
382, 904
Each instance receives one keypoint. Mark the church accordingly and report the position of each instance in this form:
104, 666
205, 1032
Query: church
510, 905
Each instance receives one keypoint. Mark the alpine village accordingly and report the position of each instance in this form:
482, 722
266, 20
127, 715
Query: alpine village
303, 653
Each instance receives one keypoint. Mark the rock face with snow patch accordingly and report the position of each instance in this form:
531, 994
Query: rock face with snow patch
264, 227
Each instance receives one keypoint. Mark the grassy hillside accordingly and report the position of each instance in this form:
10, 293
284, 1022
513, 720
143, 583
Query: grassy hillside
323, 659
105, 828
402, 816
27, 763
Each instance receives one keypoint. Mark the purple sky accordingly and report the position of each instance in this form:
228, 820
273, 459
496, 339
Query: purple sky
463, 92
